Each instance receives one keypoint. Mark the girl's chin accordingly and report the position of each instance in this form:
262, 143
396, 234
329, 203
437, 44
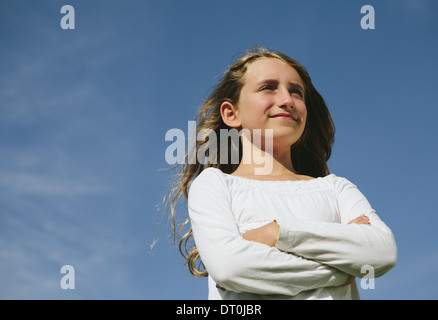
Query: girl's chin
277, 137
286, 138
280, 143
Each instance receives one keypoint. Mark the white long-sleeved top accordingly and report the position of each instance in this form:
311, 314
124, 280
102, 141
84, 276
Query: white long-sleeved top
316, 250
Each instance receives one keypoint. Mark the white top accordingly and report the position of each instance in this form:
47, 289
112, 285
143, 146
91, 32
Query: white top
316, 250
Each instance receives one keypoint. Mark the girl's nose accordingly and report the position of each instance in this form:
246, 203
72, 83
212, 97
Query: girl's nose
285, 99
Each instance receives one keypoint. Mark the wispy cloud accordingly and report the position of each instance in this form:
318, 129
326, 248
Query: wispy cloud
55, 207
38, 243
38, 184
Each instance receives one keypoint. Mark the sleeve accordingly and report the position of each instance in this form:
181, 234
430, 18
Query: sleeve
245, 266
347, 247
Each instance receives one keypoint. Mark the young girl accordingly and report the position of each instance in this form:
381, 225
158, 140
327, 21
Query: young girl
287, 230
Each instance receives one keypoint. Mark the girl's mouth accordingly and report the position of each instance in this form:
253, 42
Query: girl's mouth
286, 116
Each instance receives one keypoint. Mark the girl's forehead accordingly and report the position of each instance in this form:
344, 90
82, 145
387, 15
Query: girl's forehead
271, 68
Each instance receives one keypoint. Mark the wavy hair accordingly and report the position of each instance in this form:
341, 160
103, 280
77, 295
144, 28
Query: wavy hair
309, 154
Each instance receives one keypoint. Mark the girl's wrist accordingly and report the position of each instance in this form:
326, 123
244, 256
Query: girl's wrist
273, 232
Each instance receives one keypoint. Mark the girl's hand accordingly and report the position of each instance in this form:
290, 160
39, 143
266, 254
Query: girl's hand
362, 219
268, 234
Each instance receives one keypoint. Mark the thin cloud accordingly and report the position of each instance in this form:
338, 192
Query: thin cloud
37, 184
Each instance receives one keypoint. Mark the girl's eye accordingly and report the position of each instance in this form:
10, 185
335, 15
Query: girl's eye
292, 91
267, 87
296, 91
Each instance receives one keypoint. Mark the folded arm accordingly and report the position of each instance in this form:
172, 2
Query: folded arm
361, 239
244, 266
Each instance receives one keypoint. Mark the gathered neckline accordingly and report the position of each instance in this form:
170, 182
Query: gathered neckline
275, 186
271, 181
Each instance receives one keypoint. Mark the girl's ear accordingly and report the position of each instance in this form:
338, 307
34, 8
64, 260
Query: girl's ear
230, 115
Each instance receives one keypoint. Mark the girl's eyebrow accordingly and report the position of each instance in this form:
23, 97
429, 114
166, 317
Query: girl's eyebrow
292, 85
267, 81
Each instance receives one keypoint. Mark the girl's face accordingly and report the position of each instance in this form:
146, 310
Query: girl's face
272, 97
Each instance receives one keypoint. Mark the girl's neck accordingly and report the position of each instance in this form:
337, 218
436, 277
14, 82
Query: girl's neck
258, 162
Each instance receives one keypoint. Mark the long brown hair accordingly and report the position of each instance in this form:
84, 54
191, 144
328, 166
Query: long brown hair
309, 154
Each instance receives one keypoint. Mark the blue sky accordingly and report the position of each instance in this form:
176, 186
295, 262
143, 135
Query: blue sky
84, 113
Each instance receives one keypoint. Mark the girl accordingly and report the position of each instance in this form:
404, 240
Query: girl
289, 230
